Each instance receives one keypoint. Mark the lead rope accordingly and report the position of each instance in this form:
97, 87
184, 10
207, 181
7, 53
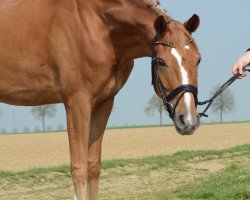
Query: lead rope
219, 91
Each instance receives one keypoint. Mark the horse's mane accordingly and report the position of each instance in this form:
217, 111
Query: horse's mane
153, 5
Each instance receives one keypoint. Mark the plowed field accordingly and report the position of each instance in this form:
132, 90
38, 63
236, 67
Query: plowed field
24, 151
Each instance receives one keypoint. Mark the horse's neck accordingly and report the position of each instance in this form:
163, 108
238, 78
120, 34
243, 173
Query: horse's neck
131, 25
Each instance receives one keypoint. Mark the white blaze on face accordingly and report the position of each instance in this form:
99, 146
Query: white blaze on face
75, 198
187, 96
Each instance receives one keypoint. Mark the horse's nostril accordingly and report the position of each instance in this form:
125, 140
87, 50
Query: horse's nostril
182, 120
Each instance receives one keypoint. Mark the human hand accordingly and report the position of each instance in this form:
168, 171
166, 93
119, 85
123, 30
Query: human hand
240, 64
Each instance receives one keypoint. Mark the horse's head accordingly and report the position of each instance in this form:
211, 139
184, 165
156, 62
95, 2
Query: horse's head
174, 70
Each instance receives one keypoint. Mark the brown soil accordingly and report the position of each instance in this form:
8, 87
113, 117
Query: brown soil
25, 151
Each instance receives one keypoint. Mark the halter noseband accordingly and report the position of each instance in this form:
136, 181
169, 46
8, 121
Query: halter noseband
179, 90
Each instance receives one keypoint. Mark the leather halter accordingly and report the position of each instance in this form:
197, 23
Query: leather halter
167, 98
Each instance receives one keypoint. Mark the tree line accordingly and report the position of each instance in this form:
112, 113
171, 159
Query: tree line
41, 113
223, 104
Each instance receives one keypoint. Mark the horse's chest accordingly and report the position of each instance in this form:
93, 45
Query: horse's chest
107, 89
114, 84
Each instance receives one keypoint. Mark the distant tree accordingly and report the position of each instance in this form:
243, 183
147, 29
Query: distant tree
155, 104
26, 129
3, 130
15, 130
41, 112
224, 103
60, 128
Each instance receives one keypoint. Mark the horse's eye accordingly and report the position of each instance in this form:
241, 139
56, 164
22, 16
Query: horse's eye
161, 62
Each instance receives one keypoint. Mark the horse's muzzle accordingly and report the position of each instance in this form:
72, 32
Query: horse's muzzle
186, 124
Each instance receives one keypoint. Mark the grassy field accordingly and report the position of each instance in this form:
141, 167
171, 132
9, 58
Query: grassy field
222, 175
148, 163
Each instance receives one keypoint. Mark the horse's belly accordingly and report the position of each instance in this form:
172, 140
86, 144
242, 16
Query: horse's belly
28, 87
30, 97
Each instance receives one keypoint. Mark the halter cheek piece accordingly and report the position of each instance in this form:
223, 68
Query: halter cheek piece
167, 98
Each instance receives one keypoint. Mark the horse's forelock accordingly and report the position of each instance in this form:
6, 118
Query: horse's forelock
178, 35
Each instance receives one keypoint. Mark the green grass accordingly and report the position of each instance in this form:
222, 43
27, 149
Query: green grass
166, 160
160, 161
231, 183
64, 169
152, 178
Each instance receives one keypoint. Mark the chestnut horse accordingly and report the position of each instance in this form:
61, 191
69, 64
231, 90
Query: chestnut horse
80, 53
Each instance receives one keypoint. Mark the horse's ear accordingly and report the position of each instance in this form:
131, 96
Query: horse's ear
160, 25
192, 24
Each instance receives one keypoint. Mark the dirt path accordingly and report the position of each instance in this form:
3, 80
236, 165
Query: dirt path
41, 150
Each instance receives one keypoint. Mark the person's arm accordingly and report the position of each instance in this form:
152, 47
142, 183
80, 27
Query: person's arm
241, 63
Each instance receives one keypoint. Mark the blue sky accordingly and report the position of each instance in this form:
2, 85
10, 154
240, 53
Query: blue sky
223, 36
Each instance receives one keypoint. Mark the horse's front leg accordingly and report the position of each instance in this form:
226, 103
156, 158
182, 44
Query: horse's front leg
99, 121
78, 120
